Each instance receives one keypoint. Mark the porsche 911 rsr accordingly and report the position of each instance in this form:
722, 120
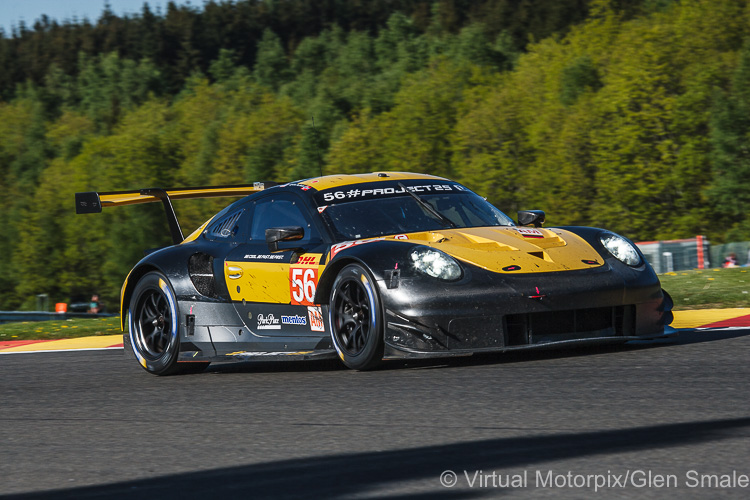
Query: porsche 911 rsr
374, 267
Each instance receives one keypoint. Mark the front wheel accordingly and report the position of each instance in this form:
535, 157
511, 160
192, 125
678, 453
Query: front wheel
356, 319
154, 325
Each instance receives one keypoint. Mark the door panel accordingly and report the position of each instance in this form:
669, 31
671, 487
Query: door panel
273, 292
275, 298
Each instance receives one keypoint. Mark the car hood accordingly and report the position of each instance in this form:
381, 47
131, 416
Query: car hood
511, 249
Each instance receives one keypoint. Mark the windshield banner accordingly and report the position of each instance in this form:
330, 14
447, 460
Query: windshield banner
359, 192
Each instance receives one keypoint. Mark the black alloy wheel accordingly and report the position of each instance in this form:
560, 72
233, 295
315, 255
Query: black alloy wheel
155, 328
356, 318
154, 323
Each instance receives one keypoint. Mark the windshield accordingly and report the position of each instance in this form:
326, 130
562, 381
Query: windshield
403, 214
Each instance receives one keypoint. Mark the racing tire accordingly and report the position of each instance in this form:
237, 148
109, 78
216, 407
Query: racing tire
155, 328
356, 319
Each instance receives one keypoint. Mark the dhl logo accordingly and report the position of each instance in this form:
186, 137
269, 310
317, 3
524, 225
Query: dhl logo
307, 261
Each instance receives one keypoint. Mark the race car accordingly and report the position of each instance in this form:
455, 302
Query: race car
374, 267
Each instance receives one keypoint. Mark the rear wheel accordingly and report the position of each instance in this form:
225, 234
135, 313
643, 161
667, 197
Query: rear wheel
356, 319
155, 328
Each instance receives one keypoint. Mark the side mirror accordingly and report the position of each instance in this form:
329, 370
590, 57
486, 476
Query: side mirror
275, 235
531, 217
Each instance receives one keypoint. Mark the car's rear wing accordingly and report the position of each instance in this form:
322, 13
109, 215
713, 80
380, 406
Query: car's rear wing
93, 202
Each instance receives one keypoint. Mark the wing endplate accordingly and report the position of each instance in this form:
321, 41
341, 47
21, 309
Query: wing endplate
88, 203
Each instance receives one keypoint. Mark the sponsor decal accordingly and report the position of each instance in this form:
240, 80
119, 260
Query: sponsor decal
529, 232
252, 256
303, 281
268, 322
348, 244
316, 319
322, 209
366, 193
539, 295
307, 261
305, 188
293, 320
400, 237
263, 353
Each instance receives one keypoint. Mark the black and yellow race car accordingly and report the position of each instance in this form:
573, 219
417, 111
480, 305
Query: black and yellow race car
374, 267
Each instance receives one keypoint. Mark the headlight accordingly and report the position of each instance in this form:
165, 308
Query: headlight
620, 248
435, 263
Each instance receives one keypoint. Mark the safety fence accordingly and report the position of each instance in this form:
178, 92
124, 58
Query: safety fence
692, 253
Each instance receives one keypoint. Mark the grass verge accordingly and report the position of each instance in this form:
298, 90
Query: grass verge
60, 329
708, 288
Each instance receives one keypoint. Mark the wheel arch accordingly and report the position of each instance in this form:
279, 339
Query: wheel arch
357, 338
127, 292
172, 262
375, 257
323, 291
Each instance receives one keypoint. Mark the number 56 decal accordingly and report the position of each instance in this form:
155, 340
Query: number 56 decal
303, 282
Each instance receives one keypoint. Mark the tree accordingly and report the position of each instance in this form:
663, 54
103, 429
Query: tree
271, 65
730, 133
16, 122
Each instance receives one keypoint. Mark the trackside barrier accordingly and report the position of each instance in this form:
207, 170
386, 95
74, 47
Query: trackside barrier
691, 253
675, 255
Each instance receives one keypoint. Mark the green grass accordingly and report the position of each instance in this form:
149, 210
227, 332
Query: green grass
60, 329
709, 288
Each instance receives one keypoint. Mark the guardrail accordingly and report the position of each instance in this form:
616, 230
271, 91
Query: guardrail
15, 316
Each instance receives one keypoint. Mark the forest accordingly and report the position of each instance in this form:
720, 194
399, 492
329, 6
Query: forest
629, 115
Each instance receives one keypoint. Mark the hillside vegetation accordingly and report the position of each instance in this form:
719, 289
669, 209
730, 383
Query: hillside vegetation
630, 115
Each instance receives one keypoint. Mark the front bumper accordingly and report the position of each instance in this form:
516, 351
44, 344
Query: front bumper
489, 312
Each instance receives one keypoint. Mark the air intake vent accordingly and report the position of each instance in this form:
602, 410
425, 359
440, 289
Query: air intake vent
553, 326
224, 227
200, 267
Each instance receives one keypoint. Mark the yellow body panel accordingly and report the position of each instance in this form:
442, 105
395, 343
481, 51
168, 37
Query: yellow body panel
123, 305
273, 282
134, 197
495, 248
194, 235
333, 181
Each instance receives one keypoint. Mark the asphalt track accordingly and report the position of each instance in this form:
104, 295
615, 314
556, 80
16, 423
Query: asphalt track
650, 420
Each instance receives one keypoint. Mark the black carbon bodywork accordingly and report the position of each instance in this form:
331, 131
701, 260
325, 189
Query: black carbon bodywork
211, 328
421, 316
491, 311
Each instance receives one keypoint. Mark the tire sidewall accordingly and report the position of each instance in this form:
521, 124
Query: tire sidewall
166, 362
372, 354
